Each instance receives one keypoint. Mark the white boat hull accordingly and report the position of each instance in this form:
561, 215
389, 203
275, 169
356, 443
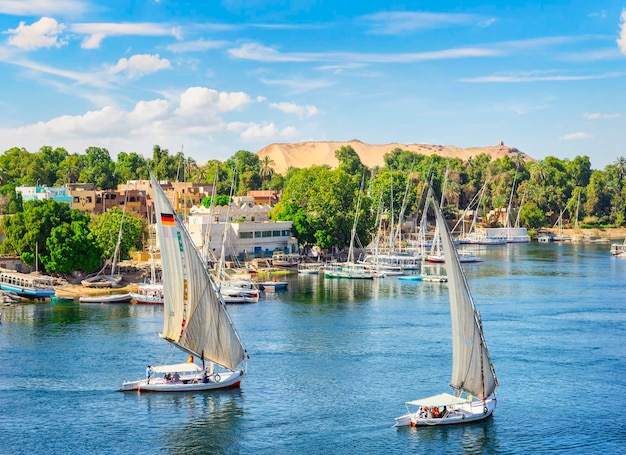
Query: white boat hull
194, 383
458, 414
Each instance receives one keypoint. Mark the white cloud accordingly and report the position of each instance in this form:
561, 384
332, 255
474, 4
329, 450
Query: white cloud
199, 101
140, 64
42, 7
597, 116
193, 117
621, 41
196, 46
43, 33
98, 31
402, 22
300, 111
266, 132
576, 136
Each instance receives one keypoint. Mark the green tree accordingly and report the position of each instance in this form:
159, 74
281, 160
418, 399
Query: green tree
29, 230
10, 200
105, 229
321, 204
131, 166
98, 168
72, 247
349, 160
532, 216
220, 201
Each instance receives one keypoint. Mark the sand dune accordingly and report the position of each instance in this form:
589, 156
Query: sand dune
305, 154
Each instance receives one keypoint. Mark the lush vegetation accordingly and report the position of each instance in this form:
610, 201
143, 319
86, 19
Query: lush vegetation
320, 201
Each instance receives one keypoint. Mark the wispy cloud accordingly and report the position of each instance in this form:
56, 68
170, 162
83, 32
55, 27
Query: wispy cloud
139, 65
297, 85
43, 7
86, 78
402, 22
292, 108
599, 116
621, 41
592, 56
200, 45
46, 32
258, 52
539, 76
98, 31
576, 136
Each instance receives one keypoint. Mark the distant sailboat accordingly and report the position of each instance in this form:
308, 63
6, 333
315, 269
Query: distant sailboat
473, 377
195, 316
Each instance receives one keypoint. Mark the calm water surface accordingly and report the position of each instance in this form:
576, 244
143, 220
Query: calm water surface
332, 363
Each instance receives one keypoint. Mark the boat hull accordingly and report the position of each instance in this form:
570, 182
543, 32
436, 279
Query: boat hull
113, 298
221, 381
466, 413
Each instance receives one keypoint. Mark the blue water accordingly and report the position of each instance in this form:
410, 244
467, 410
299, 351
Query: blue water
332, 363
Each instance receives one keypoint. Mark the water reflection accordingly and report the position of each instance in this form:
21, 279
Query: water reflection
475, 438
197, 423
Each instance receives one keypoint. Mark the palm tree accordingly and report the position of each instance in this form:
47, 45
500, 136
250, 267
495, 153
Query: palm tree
266, 170
620, 163
519, 160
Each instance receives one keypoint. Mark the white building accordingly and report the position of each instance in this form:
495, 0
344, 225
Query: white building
249, 233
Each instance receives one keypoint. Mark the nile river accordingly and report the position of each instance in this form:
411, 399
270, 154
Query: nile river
332, 363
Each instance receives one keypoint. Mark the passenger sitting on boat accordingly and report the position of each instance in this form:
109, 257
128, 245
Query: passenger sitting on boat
423, 412
435, 412
205, 377
168, 376
176, 377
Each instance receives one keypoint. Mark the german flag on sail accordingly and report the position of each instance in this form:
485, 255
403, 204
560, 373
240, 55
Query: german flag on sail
167, 219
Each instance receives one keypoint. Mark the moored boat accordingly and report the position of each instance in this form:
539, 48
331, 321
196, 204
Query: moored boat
26, 285
148, 294
106, 298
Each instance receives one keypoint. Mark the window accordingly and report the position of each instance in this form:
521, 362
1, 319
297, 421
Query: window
245, 235
257, 234
88, 199
76, 199
267, 234
276, 233
287, 233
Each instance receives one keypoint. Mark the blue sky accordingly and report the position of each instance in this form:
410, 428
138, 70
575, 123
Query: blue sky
215, 77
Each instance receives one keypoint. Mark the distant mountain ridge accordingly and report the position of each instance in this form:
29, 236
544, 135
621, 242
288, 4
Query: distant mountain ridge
306, 154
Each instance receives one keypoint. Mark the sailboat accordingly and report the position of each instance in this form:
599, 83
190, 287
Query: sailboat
195, 317
101, 280
151, 292
473, 377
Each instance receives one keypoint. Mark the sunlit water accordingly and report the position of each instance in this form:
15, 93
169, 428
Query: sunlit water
332, 363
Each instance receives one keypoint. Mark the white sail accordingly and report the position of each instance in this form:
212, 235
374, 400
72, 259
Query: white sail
195, 317
471, 365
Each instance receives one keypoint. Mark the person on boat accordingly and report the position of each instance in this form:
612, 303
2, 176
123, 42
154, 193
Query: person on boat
148, 374
205, 377
176, 377
168, 376
190, 359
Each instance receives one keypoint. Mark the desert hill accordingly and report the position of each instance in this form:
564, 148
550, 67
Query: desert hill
305, 154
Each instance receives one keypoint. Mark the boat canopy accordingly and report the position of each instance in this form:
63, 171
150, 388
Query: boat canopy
443, 399
177, 367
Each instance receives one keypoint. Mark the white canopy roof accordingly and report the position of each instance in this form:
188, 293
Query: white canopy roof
443, 399
178, 367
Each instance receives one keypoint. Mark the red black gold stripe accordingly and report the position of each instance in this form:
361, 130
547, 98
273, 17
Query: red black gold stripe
167, 219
